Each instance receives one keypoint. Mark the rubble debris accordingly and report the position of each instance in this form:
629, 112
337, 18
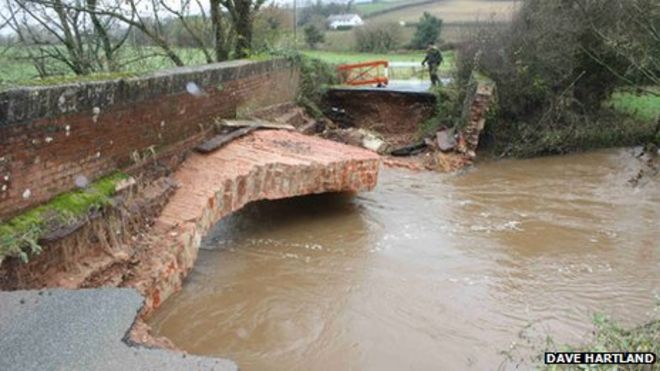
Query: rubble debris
359, 138
260, 124
650, 165
220, 140
446, 139
410, 150
445, 162
314, 127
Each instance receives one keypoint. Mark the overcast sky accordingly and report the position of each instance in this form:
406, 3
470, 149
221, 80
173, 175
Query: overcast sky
194, 8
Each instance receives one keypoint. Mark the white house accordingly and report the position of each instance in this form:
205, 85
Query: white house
344, 20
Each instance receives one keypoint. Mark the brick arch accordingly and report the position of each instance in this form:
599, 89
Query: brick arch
266, 165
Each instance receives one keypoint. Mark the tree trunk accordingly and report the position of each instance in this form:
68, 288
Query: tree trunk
243, 25
169, 52
77, 64
102, 34
220, 44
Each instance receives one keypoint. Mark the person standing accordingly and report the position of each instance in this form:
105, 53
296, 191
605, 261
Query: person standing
433, 60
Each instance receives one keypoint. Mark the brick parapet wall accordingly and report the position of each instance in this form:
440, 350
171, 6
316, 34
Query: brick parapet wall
49, 136
480, 100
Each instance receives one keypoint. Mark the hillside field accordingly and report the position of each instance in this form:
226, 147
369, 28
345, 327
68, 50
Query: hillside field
453, 11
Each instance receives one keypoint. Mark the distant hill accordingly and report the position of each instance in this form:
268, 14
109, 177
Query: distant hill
450, 11
385, 6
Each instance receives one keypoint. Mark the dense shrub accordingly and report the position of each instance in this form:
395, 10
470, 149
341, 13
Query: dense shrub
378, 38
313, 36
556, 65
427, 31
316, 76
270, 29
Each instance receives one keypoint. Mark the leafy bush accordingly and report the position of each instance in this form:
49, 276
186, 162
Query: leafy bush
344, 28
427, 31
313, 36
316, 76
447, 111
378, 38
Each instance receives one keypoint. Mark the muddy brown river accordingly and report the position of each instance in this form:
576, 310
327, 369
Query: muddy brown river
429, 271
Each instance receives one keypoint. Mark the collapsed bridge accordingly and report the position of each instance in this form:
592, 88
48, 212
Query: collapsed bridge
100, 187
103, 176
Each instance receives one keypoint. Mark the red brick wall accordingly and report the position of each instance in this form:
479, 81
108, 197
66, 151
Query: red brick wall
50, 136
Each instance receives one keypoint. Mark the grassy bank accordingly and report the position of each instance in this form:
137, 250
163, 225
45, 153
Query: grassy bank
607, 129
643, 106
611, 337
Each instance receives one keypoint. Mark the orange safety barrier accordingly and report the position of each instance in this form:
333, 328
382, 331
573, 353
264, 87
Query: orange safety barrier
366, 73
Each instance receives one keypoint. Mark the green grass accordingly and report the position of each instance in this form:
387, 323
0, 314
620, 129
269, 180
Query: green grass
17, 70
644, 107
354, 57
344, 41
611, 337
21, 234
395, 73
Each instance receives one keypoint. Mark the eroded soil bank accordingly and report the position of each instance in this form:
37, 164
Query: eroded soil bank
427, 269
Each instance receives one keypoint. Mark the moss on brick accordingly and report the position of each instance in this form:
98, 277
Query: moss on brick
20, 235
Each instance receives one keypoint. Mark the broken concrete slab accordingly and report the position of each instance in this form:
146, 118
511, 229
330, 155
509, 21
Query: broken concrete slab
82, 330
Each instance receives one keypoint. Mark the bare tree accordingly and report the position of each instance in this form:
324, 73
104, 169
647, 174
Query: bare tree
57, 31
630, 29
141, 15
182, 14
219, 31
242, 14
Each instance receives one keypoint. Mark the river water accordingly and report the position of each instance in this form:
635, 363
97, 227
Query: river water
429, 271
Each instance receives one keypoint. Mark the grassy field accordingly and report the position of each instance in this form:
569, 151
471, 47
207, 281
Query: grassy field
643, 106
459, 18
344, 41
350, 57
383, 5
396, 73
453, 11
16, 69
